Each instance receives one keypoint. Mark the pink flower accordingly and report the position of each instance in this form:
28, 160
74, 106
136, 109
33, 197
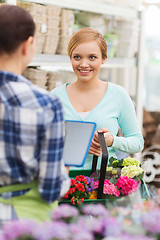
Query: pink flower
108, 188
126, 185
96, 183
111, 189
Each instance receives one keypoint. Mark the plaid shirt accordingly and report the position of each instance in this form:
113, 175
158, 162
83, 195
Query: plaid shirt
31, 137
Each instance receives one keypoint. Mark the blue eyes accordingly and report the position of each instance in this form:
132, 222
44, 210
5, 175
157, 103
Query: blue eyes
78, 57
92, 57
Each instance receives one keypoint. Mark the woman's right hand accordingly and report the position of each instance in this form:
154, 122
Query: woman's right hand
95, 147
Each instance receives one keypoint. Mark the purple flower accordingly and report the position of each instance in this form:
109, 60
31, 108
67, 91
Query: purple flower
128, 237
90, 184
97, 210
65, 212
109, 229
52, 230
151, 221
16, 229
92, 224
2, 238
79, 233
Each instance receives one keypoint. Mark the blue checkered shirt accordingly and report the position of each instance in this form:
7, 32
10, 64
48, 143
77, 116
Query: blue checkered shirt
31, 137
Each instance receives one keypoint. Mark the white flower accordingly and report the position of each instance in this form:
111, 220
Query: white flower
131, 171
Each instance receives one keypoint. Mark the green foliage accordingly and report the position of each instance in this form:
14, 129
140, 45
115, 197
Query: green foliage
114, 162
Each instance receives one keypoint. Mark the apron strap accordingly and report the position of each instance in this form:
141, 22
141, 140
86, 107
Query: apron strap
18, 187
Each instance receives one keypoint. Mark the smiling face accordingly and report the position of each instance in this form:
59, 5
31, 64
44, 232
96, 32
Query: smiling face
86, 61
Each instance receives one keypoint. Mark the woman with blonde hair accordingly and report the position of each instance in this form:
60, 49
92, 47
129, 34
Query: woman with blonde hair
91, 99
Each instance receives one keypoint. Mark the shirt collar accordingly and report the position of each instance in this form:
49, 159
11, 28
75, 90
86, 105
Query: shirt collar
8, 76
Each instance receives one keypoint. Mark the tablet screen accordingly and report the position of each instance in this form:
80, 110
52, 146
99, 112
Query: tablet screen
78, 137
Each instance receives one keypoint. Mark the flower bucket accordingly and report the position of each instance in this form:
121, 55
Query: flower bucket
112, 198
110, 202
73, 174
92, 172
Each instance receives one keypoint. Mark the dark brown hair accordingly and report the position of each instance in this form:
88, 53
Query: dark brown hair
16, 26
87, 35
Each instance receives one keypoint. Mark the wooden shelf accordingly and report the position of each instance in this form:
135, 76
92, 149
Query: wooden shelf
95, 6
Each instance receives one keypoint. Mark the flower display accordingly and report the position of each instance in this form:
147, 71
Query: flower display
123, 186
123, 177
86, 226
89, 223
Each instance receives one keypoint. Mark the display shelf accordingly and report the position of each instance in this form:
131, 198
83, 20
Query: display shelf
92, 6
95, 6
64, 61
112, 10
13, 2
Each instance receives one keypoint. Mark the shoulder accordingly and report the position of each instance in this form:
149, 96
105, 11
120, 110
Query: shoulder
118, 91
59, 91
45, 98
116, 87
38, 97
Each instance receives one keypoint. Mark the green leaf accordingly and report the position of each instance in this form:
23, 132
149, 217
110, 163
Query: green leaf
111, 161
114, 162
113, 180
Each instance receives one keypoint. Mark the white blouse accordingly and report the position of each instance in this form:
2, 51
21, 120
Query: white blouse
83, 115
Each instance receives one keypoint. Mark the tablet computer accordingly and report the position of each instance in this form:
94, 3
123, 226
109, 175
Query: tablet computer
78, 137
